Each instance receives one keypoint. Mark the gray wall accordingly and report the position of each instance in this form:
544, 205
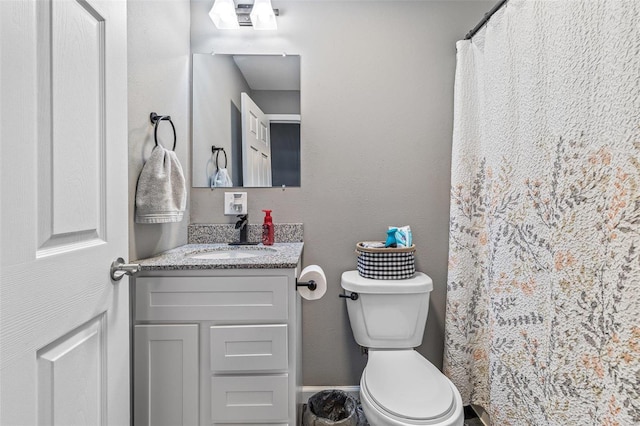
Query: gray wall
277, 101
159, 80
376, 107
217, 84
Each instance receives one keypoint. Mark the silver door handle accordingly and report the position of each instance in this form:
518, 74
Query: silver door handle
119, 269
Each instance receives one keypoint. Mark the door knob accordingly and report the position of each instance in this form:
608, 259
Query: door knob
119, 269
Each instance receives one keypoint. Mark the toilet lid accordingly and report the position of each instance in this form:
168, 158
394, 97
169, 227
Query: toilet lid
407, 385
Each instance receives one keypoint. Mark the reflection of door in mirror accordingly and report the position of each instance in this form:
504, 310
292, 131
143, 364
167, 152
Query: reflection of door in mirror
273, 84
256, 145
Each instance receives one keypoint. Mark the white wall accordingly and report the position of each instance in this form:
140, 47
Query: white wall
376, 107
159, 80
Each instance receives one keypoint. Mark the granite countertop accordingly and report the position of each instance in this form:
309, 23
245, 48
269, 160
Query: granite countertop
279, 255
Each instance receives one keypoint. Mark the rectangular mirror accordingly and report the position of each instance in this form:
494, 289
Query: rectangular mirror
246, 120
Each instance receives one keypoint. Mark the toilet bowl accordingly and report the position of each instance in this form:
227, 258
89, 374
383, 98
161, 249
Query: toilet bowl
398, 385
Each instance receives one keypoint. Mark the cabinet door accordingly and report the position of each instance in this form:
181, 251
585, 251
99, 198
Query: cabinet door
166, 375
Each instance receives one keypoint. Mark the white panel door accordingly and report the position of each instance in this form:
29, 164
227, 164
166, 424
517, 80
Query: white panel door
64, 331
256, 144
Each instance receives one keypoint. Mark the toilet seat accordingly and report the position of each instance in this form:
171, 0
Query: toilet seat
403, 386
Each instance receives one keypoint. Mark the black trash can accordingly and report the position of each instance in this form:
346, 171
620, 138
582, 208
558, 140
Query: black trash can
331, 408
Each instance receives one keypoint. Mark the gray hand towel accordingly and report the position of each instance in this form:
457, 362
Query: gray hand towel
161, 195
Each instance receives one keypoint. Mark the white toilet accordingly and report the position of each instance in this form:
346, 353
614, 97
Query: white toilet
398, 385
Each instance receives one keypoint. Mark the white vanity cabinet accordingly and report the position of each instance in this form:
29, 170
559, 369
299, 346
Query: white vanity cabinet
216, 347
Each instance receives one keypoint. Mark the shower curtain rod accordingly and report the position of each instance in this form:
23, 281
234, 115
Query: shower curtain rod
484, 20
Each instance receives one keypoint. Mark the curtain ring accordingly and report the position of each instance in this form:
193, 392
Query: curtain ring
157, 119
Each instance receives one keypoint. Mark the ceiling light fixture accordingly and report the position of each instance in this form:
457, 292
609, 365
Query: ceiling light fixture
223, 15
260, 15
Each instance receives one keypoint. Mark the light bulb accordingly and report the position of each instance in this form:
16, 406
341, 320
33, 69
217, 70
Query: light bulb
262, 16
223, 15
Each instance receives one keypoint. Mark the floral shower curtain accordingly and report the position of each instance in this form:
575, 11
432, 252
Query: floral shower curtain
543, 304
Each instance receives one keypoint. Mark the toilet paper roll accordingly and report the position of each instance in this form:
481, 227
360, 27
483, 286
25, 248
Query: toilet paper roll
315, 273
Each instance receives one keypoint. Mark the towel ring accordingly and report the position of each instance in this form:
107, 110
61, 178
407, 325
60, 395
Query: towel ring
216, 150
156, 119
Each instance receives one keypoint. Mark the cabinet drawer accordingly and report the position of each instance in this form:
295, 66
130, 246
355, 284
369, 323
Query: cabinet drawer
211, 298
249, 398
248, 347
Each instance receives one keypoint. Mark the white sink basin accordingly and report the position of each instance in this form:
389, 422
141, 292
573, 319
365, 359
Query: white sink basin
232, 253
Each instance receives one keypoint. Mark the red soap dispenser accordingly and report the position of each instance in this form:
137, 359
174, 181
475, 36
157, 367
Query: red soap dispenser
267, 229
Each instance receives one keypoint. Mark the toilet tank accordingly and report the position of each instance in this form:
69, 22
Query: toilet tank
388, 313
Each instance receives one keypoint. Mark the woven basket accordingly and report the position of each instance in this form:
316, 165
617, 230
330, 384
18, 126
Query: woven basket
386, 263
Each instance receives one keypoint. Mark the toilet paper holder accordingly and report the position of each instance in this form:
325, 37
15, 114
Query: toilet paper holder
311, 284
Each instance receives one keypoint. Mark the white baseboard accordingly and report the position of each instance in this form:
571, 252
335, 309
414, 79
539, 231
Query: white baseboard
308, 391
